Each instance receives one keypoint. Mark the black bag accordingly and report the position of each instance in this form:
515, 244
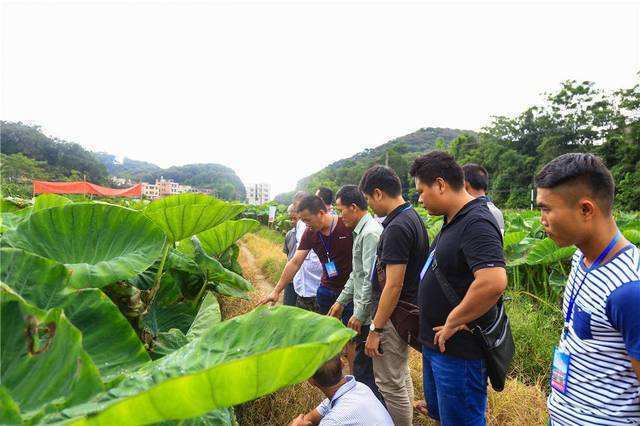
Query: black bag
405, 318
495, 339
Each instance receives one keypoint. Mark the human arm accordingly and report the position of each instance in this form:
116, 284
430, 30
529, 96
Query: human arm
291, 268
622, 311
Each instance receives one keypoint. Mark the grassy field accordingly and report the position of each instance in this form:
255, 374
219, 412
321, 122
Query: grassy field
535, 329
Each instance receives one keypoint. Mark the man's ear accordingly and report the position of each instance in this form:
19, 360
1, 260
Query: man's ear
587, 208
442, 185
377, 194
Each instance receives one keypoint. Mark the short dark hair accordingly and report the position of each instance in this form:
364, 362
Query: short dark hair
350, 194
326, 195
476, 175
438, 164
330, 373
383, 178
580, 168
312, 203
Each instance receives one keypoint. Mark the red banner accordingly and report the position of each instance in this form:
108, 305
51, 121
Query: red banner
42, 187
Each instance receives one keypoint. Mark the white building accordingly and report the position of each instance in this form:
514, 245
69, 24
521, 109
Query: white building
258, 193
150, 190
164, 187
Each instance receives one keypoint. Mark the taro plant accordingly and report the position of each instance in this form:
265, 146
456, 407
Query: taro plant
109, 315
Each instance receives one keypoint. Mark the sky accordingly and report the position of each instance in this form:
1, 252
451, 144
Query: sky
277, 90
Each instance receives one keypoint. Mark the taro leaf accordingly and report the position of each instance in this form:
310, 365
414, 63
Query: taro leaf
11, 220
167, 342
513, 238
215, 272
234, 361
162, 318
99, 243
106, 335
182, 216
46, 201
216, 240
220, 417
208, 315
181, 268
547, 251
633, 235
42, 363
9, 410
229, 259
227, 290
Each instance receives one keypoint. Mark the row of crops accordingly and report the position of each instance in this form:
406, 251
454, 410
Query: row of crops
536, 265
110, 315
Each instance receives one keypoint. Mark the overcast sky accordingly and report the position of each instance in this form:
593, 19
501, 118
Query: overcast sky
278, 90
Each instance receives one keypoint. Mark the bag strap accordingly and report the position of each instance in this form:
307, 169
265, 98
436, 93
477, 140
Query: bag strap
449, 292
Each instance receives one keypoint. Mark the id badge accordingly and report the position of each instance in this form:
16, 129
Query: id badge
332, 271
425, 268
560, 370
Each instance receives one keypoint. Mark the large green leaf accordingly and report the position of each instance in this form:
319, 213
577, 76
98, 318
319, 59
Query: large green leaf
46, 201
208, 315
233, 362
215, 272
216, 240
633, 235
512, 238
107, 336
182, 216
99, 243
546, 251
43, 366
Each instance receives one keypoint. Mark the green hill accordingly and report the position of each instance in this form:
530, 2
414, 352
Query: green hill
223, 180
398, 153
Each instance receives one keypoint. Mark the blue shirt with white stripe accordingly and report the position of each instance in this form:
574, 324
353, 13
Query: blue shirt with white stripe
604, 334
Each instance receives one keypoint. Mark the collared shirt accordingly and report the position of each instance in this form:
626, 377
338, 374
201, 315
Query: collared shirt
404, 241
307, 279
353, 404
470, 241
290, 243
603, 336
358, 288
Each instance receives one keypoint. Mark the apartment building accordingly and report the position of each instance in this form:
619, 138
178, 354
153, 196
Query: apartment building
258, 193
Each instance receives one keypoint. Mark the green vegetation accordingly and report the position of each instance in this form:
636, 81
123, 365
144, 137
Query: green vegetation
398, 154
110, 314
222, 180
27, 154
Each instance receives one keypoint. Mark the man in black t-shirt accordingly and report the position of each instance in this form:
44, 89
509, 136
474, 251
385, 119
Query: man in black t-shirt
401, 252
468, 252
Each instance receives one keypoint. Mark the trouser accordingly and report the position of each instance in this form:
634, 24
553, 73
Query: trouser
455, 388
326, 297
363, 364
308, 303
391, 371
290, 295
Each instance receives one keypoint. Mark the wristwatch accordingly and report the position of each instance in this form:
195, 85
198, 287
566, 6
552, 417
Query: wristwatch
373, 328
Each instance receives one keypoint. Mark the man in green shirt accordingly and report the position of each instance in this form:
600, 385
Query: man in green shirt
352, 206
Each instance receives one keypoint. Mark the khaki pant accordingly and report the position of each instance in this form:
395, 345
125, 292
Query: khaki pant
392, 376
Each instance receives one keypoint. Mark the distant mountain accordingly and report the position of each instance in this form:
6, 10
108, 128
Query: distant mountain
398, 153
223, 180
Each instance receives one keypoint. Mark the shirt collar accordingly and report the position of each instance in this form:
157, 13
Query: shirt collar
464, 210
395, 213
350, 384
361, 223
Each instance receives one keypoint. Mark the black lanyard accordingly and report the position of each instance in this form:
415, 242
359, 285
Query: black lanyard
327, 248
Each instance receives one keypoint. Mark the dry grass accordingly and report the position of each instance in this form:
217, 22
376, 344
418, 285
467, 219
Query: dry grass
518, 404
268, 255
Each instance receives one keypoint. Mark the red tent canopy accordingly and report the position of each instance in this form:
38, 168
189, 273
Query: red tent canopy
42, 187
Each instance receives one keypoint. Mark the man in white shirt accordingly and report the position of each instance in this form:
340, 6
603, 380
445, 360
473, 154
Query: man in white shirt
348, 402
476, 183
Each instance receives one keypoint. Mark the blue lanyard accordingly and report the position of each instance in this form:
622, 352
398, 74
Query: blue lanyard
326, 248
594, 265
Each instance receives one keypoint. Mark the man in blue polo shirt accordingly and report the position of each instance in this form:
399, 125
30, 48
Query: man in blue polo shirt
596, 365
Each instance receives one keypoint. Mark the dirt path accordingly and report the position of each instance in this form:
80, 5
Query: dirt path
252, 270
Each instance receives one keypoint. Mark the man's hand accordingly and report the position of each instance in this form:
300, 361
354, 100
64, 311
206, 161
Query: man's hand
271, 298
355, 324
371, 347
300, 421
444, 333
336, 310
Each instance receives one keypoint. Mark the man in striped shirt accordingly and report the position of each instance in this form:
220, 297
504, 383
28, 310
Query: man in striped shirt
596, 364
